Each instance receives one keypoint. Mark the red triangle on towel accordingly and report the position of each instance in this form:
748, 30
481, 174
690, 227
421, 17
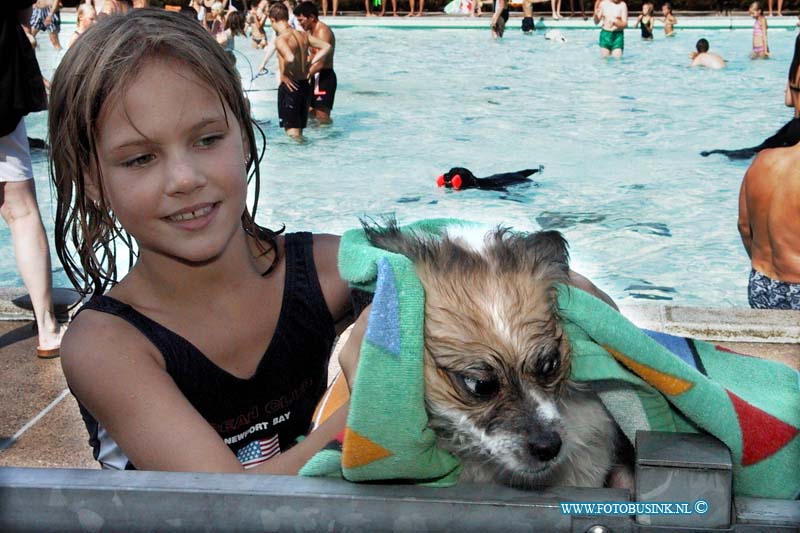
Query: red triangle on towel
762, 433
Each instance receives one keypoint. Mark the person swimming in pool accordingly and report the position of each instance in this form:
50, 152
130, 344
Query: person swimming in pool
613, 17
703, 58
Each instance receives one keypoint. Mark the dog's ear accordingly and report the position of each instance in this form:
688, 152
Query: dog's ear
468, 177
456, 170
386, 235
550, 246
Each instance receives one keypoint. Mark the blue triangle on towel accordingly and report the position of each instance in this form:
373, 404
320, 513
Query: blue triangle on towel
677, 345
383, 328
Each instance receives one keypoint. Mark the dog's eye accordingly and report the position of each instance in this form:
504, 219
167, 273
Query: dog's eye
482, 388
547, 367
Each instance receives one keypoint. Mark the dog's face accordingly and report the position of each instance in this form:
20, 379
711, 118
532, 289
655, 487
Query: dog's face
457, 178
496, 357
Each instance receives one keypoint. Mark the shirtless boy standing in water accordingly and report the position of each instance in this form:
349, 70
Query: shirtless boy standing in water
294, 92
322, 74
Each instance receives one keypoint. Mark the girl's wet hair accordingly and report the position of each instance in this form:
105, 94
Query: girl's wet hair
95, 72
235, 22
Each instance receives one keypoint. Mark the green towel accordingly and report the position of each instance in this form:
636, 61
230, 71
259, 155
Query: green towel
387, 437
647, 380
655, 381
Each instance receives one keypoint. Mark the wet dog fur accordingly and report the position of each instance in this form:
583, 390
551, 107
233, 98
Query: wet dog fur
497, 361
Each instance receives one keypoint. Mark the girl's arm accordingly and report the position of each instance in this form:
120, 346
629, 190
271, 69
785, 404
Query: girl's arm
119, 376
334, 289
349, 354
638, 20
766, 40
584, 283
787, 98
337, 295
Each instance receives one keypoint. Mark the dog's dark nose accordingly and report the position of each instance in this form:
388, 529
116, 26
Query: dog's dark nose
544, 446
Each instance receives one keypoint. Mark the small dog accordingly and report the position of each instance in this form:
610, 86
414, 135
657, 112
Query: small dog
497, 361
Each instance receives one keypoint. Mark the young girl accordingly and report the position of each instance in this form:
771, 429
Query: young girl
669, 19
646, 21
211, 353
234, 25
86, 17
257, 17
760, 43
217, 19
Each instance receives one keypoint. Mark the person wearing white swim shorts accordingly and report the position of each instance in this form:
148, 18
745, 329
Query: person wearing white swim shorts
21, 94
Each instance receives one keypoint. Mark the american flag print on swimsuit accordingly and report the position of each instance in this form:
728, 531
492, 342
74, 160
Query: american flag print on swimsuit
259, 451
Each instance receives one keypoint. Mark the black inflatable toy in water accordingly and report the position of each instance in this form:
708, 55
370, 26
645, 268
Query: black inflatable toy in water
460, 178
788, 135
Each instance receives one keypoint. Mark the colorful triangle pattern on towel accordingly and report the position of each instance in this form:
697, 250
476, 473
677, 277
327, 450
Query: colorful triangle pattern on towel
664, 382
384, 331
762, 433
358, 450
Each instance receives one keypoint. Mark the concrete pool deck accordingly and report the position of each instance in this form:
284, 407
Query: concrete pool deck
40, 425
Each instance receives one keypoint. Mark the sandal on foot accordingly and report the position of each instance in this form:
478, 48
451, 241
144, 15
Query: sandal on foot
44, 353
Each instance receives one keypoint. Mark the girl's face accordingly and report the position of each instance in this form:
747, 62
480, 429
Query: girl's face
647, 9
86, 20
754, 11
173, 165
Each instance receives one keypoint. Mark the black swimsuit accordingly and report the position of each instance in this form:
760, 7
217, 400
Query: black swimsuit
260, 416
647, 32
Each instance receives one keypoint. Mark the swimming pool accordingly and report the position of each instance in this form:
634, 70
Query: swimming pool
646, 216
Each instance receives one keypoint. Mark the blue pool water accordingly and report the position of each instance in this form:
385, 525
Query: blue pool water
646, 216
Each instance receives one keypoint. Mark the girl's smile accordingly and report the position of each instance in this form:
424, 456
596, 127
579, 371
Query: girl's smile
194, 218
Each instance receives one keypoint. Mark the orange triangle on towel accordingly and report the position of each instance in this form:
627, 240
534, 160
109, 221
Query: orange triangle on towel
358, 450
666, 383
762, 433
